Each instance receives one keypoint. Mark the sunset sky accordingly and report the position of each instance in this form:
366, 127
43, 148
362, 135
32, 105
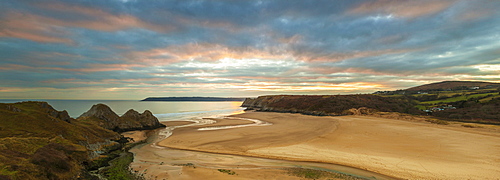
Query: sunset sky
132, 49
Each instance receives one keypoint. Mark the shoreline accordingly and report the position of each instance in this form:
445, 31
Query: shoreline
360, 158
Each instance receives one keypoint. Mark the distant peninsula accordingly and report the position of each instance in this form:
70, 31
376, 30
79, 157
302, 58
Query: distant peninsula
192, 99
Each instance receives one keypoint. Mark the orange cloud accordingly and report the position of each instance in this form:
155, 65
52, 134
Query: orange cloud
97, 19
96, 68
402, 8
31, 27
204, 52
308, 87
8, 67
46, 29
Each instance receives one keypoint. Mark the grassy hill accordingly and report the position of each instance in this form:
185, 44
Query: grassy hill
454, 85
467, 101
39, 142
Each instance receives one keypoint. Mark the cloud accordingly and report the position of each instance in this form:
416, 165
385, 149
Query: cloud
53, 25
402, 8
96, 19
118, 48
27, 26
338, 56
201, 52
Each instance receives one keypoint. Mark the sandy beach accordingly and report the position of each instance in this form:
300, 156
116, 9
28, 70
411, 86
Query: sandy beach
136, 135
397, 148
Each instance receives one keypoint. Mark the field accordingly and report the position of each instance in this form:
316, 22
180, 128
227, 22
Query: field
467, 105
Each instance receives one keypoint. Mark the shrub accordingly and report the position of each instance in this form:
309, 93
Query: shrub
53, 158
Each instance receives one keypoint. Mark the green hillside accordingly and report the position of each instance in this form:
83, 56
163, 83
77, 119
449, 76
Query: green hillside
455, 100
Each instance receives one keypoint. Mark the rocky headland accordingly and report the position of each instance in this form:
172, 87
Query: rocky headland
39, 142
130, 121
330, 105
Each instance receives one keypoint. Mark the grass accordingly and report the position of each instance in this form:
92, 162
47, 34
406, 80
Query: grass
438, 121
186, 165
227, 171
119, 168
318, 174
421, 107
23, 145
489, 98
469, 126
459, 98
5, 171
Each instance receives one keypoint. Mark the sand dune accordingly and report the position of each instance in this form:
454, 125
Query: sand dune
403, 149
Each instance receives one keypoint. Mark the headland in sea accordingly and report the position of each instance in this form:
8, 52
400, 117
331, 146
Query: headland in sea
193, 99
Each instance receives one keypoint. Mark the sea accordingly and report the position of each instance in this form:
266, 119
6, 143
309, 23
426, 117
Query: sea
163, 110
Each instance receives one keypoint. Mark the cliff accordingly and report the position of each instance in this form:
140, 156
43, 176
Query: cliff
39, 142
192, 99
103, 116
330, 105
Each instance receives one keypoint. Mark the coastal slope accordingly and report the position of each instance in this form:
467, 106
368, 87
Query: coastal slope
329, 105
39, 142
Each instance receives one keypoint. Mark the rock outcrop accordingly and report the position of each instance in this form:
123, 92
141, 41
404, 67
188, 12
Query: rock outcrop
104, 116
63, 115
131, 120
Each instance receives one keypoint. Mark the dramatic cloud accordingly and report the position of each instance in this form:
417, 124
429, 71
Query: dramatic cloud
82, 49
403, 8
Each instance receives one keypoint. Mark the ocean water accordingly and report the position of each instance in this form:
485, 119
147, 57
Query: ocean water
164, 110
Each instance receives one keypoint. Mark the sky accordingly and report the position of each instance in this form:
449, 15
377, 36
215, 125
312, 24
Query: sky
133, 49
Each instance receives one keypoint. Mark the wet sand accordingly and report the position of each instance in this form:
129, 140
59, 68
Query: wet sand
398, 148
136, 135
176, 123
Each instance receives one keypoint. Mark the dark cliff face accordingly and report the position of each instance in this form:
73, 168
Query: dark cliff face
328, 105
149, 120
131, 120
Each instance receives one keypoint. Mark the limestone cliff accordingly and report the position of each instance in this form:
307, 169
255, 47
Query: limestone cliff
131, 120
106, 117
135, 120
